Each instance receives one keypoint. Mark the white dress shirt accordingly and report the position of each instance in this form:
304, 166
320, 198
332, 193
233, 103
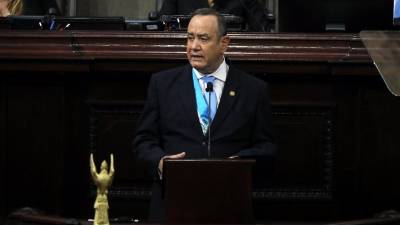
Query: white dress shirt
220, 78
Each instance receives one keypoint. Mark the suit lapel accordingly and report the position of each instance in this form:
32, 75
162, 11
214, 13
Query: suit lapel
188, 98
229, 96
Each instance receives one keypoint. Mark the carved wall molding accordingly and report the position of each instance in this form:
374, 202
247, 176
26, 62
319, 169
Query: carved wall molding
95, 45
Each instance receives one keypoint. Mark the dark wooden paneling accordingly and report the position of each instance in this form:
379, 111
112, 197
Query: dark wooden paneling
379, 146
347, 95
335, 121
112, 128
76, 157
3, 146
35, 143
304, 164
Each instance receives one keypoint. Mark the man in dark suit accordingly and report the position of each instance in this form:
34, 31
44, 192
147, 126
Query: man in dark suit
175, 123
251, 11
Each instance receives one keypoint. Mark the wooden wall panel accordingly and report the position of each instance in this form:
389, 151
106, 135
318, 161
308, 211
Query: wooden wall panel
304, 164
379, 146
3, 147
35, 144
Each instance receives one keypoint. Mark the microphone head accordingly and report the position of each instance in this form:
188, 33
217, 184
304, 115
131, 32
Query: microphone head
209, 87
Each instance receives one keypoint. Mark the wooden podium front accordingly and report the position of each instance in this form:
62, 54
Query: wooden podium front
208, 191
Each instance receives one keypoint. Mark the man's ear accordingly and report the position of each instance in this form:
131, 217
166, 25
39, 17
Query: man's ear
225, 42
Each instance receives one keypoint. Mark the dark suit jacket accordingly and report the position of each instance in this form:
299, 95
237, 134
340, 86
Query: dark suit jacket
251, 10
170, 124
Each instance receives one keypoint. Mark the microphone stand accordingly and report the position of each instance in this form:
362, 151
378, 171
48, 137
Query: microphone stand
209, 89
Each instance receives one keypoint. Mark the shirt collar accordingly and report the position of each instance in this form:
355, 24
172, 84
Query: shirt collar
219, 74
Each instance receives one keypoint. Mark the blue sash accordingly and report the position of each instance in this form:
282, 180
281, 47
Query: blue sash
202, 107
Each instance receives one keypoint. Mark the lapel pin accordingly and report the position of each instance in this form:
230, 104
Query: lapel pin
232, 93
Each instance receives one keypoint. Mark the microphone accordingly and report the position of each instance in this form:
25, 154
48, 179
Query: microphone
209, 89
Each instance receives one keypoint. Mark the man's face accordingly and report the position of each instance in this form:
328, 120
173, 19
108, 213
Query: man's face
205, 49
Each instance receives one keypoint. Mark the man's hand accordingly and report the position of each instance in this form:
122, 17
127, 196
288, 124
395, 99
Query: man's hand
161, 163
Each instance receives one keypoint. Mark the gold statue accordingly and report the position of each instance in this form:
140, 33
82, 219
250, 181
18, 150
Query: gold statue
102, 180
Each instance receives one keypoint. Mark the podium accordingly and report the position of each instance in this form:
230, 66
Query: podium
208, 191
